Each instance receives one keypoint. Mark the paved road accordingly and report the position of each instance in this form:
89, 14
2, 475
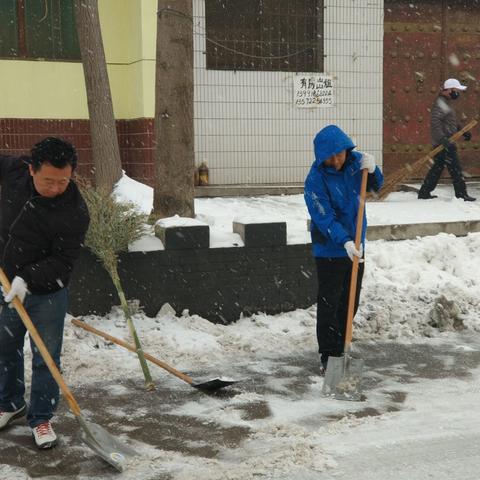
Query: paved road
126, 410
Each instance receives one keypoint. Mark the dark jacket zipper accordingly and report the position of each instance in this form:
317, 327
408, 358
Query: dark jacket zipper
22, 210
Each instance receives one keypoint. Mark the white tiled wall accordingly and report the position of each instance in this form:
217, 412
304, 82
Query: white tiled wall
247, 129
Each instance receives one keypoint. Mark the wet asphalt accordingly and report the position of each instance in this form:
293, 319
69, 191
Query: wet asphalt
125, 409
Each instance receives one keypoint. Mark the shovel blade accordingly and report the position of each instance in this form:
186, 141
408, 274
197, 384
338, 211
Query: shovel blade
214, 384
343, 378
106, 445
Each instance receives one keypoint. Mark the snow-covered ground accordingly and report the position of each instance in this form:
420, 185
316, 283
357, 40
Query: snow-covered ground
422, 292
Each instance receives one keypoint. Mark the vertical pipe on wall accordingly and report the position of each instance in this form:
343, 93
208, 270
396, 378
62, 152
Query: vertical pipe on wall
443, 44
22, 42
320, 35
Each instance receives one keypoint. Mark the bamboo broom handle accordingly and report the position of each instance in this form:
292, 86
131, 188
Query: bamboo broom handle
126, 345
353, 278
41, 346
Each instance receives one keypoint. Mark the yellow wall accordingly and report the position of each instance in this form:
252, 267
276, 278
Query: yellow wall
40, 89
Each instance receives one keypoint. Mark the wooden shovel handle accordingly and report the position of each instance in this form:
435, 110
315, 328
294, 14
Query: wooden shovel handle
41, 346
353, 279
126, 345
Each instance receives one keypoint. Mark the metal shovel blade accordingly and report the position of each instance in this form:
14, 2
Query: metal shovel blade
343, 378
106, 445
214, 384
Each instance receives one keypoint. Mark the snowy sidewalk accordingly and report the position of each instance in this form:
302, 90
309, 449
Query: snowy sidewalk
401, 208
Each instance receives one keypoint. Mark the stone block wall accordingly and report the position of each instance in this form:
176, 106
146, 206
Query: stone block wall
219, 284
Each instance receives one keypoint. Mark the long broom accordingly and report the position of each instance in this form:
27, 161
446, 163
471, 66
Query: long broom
403, 174
113, 226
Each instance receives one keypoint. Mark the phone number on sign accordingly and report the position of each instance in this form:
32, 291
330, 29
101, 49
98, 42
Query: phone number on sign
314, 101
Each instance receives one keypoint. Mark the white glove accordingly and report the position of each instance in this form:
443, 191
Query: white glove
18, 289
352, 251
367, 161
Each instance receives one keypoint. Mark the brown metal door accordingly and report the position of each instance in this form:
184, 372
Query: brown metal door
426, 42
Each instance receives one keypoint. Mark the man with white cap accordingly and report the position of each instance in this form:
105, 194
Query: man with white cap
443, 125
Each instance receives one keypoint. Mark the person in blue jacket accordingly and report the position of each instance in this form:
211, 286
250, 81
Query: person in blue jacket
332, 195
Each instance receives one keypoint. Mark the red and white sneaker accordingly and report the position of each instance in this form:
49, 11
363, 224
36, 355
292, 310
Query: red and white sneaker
44, 435
8, 417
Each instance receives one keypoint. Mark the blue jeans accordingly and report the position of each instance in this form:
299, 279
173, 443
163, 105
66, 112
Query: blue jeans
47, 313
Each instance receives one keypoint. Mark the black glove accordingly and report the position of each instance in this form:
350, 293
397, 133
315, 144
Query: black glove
467, 136
447, 144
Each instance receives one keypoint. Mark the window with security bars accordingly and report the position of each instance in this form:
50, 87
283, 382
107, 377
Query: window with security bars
38, 29
264, 35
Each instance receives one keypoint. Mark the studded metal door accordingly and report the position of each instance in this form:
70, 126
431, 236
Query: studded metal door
426, 42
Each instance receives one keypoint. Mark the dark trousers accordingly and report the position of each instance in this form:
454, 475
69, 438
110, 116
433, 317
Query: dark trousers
47, 313
450, 160
332, 304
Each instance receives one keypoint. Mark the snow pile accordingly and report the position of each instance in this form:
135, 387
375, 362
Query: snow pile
185, 341
405, 280
129, 190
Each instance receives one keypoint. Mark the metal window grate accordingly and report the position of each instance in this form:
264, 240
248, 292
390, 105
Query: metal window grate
38, 29
265, 35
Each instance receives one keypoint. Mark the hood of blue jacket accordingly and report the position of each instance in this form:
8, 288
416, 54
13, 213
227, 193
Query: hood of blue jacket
330, 141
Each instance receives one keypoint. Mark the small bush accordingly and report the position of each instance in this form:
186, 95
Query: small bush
113, 225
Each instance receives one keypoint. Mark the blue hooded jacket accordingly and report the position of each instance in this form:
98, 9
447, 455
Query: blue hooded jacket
332, 196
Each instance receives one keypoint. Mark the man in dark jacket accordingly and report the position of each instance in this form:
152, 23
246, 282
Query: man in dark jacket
443, 125
332, 190
43, 222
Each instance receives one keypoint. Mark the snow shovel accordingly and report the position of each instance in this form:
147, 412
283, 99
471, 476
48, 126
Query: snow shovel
207, 386
98, 439
344, 374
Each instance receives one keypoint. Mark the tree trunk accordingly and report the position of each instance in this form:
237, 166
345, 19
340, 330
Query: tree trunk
174, 156
105, 149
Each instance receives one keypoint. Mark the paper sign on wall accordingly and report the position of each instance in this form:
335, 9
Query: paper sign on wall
313, 91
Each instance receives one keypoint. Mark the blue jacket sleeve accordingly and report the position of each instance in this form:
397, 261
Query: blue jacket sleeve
322, 212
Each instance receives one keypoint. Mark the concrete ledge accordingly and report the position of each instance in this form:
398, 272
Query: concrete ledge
262, 234
293, 188
410, 231
247, 190
184, 237
413, 230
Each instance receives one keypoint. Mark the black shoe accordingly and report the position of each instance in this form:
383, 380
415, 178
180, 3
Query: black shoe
323, 363
466, 198
426, 196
